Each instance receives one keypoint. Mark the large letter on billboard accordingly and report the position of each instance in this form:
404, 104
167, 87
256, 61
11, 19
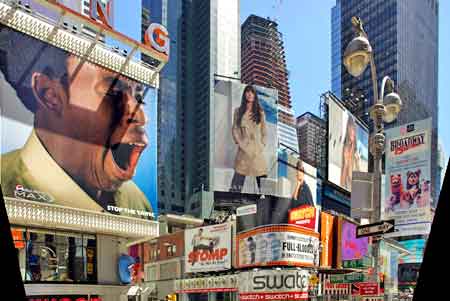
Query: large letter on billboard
102, 12
157, 37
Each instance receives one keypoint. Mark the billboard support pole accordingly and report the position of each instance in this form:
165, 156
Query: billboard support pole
357, 56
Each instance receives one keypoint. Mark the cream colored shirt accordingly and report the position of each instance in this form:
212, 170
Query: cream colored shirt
34, 169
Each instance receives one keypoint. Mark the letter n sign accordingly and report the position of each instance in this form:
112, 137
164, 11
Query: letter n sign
102, 10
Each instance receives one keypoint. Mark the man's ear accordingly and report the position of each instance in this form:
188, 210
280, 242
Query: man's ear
47, 92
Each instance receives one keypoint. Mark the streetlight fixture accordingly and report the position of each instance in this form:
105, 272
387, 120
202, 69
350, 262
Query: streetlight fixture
357, 56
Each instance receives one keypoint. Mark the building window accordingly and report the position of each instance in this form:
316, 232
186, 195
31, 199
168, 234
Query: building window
171, 250
49, 256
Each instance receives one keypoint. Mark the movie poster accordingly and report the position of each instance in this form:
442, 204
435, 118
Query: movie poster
73, 133
408, 184
246, 141
347, 145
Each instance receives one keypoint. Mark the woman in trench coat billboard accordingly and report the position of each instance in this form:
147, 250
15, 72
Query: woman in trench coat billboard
249, 133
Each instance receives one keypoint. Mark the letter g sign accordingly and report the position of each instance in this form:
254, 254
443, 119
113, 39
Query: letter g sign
157, 36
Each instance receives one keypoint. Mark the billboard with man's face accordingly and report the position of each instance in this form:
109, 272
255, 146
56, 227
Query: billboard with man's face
245, 156
347, 146
73, 133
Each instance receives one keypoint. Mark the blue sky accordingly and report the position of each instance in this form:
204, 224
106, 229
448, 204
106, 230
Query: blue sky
306, 29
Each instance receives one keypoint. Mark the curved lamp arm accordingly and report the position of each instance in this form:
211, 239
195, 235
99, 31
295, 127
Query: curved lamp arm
386, 81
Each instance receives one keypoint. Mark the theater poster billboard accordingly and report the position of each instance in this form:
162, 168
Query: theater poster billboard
245, 144
408, 184
208, 248
276, 245
73, 133
347, 145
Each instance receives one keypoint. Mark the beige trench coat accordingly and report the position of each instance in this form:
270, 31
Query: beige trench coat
251, 140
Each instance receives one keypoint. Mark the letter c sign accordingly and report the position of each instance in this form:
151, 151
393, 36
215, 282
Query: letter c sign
157, 37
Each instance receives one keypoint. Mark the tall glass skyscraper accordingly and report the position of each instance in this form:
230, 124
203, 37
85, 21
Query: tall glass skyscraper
205, 44
404, 38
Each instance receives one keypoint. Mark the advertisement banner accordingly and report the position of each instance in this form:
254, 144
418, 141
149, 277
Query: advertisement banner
304, 216
407, 190
347, 145
73, 133
326, 238
297, 180
350, 247
245, 150
208, 248
277, 245
273, 285
297, 186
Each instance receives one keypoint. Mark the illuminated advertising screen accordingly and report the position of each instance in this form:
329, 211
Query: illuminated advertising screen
408, 184
347, 145
416, 247
245, 142
351, 248
327, 227
73, 133
275, 245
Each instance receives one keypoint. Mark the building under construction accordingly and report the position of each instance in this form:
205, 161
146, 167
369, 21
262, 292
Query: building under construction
263, 61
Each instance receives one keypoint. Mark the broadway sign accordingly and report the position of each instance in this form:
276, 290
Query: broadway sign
273, 285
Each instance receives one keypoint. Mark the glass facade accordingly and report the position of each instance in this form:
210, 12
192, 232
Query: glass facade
169, 14
404, 38
336, 55
49, 256
205, 42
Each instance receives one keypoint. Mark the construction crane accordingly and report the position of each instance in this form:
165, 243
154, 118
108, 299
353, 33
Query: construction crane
276, 7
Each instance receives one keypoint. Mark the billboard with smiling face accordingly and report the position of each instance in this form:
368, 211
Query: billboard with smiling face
73, 133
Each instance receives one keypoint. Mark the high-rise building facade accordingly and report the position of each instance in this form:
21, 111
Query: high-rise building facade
264, 64
312, 132
205, 45
170, 146
404, 39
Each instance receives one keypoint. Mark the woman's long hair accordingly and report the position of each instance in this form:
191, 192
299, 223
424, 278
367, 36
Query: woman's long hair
350, 125
256, 109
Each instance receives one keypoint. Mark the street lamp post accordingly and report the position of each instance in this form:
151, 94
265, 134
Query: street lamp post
357, 56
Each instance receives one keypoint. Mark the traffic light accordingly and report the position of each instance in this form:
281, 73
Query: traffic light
171, 297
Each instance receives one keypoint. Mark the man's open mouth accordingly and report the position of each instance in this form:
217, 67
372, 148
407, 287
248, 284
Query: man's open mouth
126, 155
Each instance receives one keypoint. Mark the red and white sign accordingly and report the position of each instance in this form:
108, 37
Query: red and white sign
366, 289
208, 248
285, 284
304, 216
157, 37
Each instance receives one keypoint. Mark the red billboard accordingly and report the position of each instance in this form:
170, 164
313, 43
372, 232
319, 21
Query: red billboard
304, 216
